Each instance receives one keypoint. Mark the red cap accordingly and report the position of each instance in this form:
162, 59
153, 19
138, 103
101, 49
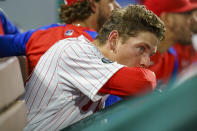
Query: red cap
173, 6
193, 0
69, 2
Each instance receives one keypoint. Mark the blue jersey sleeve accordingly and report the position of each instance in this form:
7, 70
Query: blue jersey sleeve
14, 45
8, 26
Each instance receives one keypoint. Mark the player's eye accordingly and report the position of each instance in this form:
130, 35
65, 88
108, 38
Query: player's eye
141, 49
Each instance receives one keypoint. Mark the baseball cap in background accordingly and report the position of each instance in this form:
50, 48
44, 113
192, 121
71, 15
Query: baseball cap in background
193, 0
69, 2
172, 6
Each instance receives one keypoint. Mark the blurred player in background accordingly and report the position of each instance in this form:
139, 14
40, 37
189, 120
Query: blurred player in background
176, 51
191, 70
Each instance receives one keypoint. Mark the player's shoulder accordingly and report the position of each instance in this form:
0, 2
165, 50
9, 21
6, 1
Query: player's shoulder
73, 42
73, 31
81, 39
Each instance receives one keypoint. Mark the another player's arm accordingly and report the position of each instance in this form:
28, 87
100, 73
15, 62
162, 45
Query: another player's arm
14, 45
130, 81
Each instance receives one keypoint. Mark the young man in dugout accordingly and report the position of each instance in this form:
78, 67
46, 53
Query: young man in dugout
74, 77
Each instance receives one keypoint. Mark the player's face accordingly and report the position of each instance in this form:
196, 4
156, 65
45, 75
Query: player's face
105, 9
180, 26
193, 21
136, 51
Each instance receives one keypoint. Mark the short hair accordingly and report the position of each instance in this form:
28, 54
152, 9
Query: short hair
130, 21
77, 11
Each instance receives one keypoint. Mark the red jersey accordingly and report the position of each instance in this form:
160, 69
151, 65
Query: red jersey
167, 66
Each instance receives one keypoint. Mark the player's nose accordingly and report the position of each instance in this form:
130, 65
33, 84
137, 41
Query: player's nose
145, 61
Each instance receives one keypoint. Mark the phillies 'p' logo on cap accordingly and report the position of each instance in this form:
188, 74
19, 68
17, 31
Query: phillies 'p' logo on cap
69, 2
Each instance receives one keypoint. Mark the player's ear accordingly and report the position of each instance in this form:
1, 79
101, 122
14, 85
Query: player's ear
113, 40
166, 18
93, 5
163, 16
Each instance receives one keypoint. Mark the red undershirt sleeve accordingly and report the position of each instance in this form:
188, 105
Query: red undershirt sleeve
130, 81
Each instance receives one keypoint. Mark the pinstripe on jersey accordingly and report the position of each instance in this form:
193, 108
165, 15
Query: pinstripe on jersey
64, 85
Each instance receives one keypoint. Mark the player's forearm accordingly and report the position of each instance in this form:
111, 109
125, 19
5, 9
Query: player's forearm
130, 82
10, 46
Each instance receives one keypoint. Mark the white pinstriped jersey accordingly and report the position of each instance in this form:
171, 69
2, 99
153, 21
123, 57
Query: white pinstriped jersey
64, 85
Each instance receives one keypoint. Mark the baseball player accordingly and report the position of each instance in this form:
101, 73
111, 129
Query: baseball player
73, 78
6, 26
113, 98
175, 52
87, 18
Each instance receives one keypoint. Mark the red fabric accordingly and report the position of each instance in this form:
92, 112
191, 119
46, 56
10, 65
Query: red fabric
194, 59
163, 64
186, 54
130, 81
42, 40
69, 2
174, 6
1, 29
193, 0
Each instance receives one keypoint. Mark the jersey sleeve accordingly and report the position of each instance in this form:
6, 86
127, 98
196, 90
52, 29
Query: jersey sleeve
130, 81
8, 26
14, 45
83, 67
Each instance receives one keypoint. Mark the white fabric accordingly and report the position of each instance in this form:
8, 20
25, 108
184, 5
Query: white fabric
65, 79
194, 41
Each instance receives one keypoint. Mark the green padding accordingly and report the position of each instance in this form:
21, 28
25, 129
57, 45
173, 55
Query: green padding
172, 110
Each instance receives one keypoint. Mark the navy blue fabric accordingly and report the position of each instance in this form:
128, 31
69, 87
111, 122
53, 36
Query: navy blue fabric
13, 45
111, 100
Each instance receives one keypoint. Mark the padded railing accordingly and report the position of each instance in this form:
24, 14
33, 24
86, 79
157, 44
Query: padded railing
172, 110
